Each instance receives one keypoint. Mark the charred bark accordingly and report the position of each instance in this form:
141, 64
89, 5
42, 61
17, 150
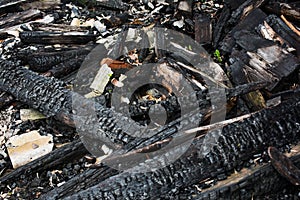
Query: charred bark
288, 10
238, 142
249, 183
48, 96
66, 67
40, 37
19, 18
44, 61
5, 99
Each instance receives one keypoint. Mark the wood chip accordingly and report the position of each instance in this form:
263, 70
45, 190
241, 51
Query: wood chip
25, 148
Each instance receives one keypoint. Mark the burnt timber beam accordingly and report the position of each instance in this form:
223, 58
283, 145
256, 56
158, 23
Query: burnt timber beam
239, 141
44, 37
49, 96
250, 183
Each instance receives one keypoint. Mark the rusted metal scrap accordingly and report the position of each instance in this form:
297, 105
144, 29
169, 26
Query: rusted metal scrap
236, 143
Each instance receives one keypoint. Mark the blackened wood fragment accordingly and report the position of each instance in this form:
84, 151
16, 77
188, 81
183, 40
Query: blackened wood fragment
203, 29
219, 28
285, 9
7, 6
38, 26
234, 4
44, 61
40, 37
66, 67
267, 60
249, 23
49, 97
3, 35
284, 166
13, 6
253, 182
284, 31
160, 43
19, 18
115, 20
5, 99
244, 10
230, 149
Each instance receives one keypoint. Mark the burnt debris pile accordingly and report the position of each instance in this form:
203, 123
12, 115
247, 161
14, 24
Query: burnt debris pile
149, 99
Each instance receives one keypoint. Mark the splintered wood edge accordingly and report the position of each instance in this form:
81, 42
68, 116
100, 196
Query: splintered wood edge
245, 172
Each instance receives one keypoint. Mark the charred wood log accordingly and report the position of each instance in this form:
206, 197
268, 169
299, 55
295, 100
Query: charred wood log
83, 181
48, 96
89, 179
19, 18
44, 61
249, 183
38, 26
65, 68
237, 142
40, 37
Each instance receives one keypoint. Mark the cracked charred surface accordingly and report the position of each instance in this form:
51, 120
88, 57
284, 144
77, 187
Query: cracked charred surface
236, 143
49, 96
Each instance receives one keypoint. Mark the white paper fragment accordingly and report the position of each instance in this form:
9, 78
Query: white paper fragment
31, 114
25, 148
